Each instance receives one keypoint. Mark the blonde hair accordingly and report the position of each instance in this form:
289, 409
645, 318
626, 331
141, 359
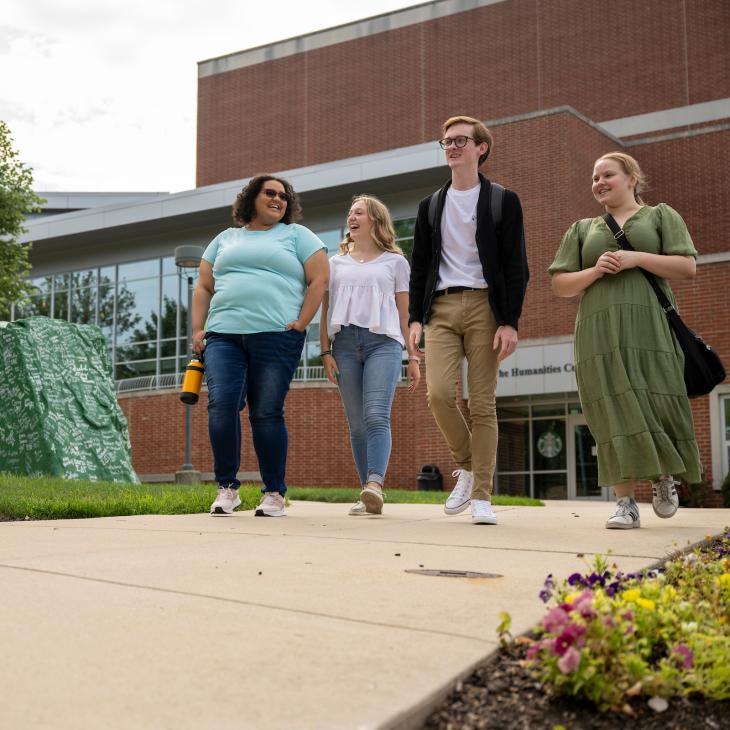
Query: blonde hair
630, 167
479, 132
382, 231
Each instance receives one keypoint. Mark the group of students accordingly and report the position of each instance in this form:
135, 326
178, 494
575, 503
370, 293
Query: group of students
262, 281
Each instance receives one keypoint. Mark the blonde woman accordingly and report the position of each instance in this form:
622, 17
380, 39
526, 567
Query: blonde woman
366, 316
628, 365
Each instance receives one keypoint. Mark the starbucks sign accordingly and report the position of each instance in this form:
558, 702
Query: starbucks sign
549, 444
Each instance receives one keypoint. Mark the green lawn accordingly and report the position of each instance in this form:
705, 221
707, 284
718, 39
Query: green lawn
50, 498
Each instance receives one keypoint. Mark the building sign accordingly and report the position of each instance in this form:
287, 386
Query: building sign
538, 369
549, 444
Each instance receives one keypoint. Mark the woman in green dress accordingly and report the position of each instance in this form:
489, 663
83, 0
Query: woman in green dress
628, 364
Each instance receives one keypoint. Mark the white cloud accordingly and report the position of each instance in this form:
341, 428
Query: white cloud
101, 96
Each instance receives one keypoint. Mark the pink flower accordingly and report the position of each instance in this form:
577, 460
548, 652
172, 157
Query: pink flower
554, 620
570, 661
685, 655
568, 638
584, 605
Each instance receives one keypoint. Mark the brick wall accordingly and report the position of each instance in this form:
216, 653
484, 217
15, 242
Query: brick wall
383, 91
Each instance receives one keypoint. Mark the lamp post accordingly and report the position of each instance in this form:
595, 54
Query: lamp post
187, 258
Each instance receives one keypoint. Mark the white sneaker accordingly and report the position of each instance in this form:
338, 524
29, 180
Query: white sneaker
226, 501
481, 512
358, 509
372, 498
665, 499
271, 505
626, 515
460, 495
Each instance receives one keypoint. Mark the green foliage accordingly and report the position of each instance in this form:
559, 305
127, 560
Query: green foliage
610, 637
17, 200
394, 496
50, 498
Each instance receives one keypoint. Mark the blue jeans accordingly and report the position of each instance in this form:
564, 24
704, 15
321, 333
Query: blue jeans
257, 369
369, 365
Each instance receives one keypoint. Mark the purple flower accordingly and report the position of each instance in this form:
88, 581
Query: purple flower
570, 661
576, 578
570, 634
584, 605
554, 620
687, 657
547, 589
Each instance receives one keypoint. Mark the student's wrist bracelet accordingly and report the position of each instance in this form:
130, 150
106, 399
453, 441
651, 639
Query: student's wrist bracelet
414, 358
325, 352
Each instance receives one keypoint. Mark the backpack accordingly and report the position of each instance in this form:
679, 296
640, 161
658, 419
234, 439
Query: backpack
496, 196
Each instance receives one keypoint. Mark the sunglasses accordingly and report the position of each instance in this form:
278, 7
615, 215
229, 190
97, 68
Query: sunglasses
269, 193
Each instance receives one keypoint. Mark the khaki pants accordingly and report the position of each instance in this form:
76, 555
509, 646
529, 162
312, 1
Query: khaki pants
462, 324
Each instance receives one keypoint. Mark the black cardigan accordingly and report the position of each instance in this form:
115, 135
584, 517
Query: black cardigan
502, 255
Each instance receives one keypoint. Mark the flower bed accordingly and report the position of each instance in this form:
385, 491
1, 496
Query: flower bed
634, 644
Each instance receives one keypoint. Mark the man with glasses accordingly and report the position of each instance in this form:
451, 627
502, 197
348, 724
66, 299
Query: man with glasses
468, 280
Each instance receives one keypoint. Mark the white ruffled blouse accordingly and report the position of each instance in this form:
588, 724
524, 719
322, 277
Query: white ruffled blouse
363, 294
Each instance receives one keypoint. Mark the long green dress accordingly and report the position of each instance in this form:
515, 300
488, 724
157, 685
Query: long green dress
628, 364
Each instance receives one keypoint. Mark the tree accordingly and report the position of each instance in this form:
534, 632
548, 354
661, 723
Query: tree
17, 200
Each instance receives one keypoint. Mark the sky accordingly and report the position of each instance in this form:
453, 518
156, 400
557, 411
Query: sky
100, 96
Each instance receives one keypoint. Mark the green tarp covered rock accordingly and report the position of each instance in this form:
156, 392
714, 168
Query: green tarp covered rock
59, 412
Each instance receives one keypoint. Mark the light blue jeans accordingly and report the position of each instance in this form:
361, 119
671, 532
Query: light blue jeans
369, 368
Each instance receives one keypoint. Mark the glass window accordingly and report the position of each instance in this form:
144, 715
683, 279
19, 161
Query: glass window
125, 370
513, 411
35, 307
137, 351
83, 278
167, 365
139, 270
168, 325
549, 447
137, 310
551, 486
42, 284
514, 484
168, 265
550, 409
331, 239
60, 305
404, 235
83, 305
60, 281
725, 411
513, 451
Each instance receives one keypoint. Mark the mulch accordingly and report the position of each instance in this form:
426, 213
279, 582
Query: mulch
502, 695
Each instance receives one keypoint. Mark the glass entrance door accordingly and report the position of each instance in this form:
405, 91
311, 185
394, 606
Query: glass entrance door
582, 462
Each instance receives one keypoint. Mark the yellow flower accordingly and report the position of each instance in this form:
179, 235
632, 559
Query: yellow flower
669, 593
645, 603
571, 597
724, 580
631, 595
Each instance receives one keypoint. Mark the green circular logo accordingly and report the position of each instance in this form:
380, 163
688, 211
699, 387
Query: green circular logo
549, 444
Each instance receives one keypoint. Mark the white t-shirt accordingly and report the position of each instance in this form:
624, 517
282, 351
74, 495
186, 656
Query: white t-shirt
460, 264
363, 294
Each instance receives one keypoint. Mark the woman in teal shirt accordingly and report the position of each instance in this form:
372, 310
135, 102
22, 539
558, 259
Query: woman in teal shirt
259, 286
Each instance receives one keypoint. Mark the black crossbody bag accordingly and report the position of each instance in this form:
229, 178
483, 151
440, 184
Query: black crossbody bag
703, 369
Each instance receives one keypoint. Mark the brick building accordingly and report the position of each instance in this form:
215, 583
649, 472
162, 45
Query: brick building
357, 109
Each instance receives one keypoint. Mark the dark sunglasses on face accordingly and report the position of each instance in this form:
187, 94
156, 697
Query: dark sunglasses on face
269, 193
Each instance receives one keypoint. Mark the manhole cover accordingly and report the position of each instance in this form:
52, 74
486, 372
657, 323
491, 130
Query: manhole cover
452, 573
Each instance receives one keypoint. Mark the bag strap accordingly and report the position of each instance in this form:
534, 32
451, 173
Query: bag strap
623, 241
496, 198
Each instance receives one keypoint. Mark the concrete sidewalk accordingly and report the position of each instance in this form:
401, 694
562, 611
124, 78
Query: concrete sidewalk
308, 621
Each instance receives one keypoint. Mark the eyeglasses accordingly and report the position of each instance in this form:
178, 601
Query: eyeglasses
459, 141
269, 193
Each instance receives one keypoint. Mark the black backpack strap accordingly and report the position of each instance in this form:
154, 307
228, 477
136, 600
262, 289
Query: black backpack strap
432, 206
622, 241
496, 198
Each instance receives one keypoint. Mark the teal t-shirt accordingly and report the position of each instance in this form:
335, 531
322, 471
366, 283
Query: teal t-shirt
259, 277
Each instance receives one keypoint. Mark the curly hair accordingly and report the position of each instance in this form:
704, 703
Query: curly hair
244, 208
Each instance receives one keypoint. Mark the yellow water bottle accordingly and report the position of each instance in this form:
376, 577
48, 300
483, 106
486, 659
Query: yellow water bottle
192, 381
